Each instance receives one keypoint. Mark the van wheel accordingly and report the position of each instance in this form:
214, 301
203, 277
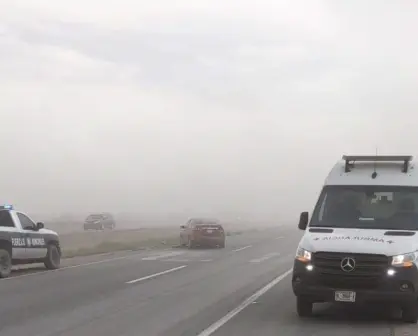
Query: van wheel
410, 313
5, 264
53, 257
304, 307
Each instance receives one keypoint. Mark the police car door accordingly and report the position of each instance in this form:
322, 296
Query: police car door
35, 241
8, 222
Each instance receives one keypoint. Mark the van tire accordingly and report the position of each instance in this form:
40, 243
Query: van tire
304, 307
53, 257
5, 263
410, 313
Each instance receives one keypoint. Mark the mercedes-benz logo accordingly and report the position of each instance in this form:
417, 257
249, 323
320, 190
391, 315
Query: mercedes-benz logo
348, 264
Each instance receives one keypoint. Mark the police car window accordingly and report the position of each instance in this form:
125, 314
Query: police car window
26, 222
6, 220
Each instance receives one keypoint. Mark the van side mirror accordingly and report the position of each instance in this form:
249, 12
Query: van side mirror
39, 225
303, 220
182, 227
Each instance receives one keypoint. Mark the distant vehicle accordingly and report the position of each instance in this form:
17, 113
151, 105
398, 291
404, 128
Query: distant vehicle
24, 242
99, 221
202, 232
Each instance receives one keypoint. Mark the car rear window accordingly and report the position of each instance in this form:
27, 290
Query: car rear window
210, 226
94, 217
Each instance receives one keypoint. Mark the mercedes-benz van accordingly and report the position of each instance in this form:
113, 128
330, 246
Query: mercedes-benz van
360, 243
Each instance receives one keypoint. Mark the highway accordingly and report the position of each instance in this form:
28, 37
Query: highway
243, 289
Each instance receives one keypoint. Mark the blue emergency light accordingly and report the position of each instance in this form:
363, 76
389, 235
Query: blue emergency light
6, 207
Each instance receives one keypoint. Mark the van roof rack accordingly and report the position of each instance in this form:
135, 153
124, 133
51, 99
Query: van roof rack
377, 158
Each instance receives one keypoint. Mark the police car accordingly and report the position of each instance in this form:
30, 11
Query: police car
23, 242
361, 243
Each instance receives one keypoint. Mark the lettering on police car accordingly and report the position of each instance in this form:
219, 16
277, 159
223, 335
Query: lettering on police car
38, 242
18, 242
28, 242
370, 239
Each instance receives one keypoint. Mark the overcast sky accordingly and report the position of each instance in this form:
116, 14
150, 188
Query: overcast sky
198, 105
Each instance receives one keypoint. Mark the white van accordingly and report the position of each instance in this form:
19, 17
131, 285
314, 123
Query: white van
360, 244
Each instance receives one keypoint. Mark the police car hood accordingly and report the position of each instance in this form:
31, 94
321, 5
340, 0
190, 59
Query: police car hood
47, 231
359, 241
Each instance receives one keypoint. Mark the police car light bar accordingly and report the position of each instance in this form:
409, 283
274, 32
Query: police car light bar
6, 207
350, 159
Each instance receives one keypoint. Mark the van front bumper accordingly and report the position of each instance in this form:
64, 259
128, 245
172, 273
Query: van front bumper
310, 284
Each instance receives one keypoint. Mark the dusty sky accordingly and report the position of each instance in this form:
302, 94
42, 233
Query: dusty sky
198, 106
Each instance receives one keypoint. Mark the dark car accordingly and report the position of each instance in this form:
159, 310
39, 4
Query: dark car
202, 232
99, 221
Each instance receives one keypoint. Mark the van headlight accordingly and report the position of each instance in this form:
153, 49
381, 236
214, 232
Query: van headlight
404, 260
303, 255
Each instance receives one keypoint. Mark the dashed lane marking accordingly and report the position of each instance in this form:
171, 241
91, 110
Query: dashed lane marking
266, 257
156, 274
163, 255
242, 248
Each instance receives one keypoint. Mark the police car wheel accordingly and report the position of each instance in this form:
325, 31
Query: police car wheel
410, 313
5, 263
304, 307
53, 257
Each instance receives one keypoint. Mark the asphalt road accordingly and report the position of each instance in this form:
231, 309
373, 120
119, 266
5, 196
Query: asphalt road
243, 289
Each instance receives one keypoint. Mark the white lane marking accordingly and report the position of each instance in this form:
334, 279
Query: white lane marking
177, 260
206, 260
67, 267
242, 248
163, 255
215, 326
277, 238
156, 274
264, 258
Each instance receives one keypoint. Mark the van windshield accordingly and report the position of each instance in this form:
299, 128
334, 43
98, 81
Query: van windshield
367, 207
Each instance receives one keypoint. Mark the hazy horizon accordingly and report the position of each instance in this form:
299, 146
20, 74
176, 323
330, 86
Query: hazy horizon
198, 107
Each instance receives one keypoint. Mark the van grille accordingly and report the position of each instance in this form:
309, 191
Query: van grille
367, 274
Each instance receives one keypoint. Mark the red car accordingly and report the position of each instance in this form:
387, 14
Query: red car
202, 232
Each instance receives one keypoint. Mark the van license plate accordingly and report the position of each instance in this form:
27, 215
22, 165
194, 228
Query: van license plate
345, 296
209, 231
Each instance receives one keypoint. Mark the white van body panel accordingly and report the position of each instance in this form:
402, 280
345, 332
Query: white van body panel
359, 241
388, 173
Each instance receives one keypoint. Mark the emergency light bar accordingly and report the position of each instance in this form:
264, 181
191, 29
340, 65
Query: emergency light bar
350, 159
6, 207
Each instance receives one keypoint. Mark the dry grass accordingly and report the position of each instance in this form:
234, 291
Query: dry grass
98, 242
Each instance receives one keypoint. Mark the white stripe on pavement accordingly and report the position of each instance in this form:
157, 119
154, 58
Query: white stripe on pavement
156, 274
163, 255
264, 258
218, 324
242, 248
